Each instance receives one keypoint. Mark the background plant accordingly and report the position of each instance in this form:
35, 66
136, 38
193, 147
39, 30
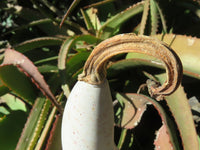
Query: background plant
27, 118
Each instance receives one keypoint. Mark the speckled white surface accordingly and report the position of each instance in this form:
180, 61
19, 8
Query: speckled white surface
88, 120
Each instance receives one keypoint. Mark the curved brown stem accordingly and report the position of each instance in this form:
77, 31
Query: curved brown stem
94, 71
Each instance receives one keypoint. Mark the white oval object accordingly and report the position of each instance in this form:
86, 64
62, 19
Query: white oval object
88, 119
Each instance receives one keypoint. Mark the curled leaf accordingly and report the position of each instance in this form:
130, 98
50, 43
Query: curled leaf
134, 106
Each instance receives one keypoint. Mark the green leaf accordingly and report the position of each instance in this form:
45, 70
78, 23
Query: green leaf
39, 121
54, 137
18, 82
144, 17
47, 26
48, 69
154, 17
3, 89
13, 102
187, 49
69, 44
163, 21
91, 20
133, 60
10, 129
179, 106
46, 60
37, 43
29, 69
122, 138
63, 54
71, 8
87, 21
97, 4
75, 63
38, 20
33, 125
109, 27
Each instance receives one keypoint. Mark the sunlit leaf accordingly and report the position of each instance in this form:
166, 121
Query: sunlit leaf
162, 141
63, 55
187, 48
29, 69
109, 27
154, 17
33, 125
48, 69
144, 16
179, 106
13, 102
91, 20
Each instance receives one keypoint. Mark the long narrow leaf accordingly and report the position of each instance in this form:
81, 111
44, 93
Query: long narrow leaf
98, 3
71, 8
30, 126
37, 43
144, 17
179, 106
40, 123
87, 21
63, 54
162, 17
110, 26
154, 17
91, 20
